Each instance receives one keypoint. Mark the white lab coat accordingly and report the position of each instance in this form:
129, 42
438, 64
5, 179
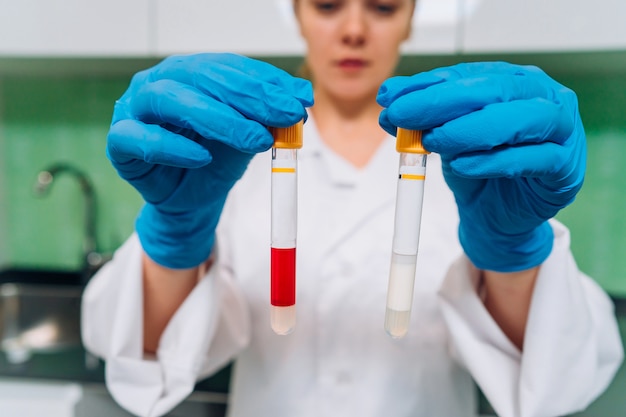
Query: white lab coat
339, 361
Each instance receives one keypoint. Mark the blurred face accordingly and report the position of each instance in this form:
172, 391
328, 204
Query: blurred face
353, 45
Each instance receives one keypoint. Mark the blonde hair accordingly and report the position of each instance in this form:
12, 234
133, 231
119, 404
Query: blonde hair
304, 71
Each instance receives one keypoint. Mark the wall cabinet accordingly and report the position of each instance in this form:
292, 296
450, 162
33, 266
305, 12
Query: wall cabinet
32, 28
543, 26
144, 28
252, 27
436, 27
156, 28
268, 27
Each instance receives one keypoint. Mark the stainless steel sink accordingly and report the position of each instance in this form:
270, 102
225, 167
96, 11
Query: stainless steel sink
40, 338
39, 312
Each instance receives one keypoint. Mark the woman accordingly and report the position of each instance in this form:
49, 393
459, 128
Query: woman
511, 145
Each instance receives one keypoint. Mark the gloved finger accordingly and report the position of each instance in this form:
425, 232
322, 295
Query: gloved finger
468, 69
546, 160
134, 147
186, 68
395, 87
440, 103
182, 105
385, 123
256, 89
553, 173
503, 124
399, 86
299, 88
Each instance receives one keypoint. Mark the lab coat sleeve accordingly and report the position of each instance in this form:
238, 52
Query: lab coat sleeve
209, 328
572, 347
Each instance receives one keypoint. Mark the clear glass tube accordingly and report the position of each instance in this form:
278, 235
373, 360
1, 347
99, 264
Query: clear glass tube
283, 246
409, 198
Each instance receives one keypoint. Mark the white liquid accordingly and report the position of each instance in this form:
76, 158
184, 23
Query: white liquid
400, 294
283, 319
397, 323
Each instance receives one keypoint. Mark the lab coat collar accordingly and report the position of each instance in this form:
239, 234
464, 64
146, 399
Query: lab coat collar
312, 144
350, 195
341, 173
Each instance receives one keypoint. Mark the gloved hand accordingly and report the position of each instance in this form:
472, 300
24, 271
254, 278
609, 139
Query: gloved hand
183, 134
513, 150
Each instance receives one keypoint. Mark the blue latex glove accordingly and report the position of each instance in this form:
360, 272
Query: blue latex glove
183, 134
513, 150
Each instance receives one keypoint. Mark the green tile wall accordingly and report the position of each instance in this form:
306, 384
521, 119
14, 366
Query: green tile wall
44, 121
596, 218
3, 205
49, 119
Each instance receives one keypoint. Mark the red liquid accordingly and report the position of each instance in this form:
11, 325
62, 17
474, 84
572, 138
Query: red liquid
283, 277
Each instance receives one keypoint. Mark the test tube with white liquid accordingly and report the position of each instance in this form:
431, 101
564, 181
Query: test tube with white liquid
284, 209
409, 198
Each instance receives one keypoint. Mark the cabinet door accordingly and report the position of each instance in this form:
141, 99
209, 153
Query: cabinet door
268, 27
435, 27
74, 27
251, 27
544, 25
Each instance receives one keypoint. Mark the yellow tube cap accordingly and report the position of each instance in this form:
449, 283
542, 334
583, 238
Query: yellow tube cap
409, 141
288, 137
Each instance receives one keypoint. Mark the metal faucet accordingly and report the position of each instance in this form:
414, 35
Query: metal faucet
92, 259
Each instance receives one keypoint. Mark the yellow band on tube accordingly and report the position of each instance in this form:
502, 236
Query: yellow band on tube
284, 170
412, 177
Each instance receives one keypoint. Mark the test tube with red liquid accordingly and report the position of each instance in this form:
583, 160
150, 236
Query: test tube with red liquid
287, 141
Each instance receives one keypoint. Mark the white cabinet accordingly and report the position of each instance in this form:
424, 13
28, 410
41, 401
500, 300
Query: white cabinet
74, 27
145, 28
268, 27
436, 27
141, 28
252, 27
30, 398
543, 25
